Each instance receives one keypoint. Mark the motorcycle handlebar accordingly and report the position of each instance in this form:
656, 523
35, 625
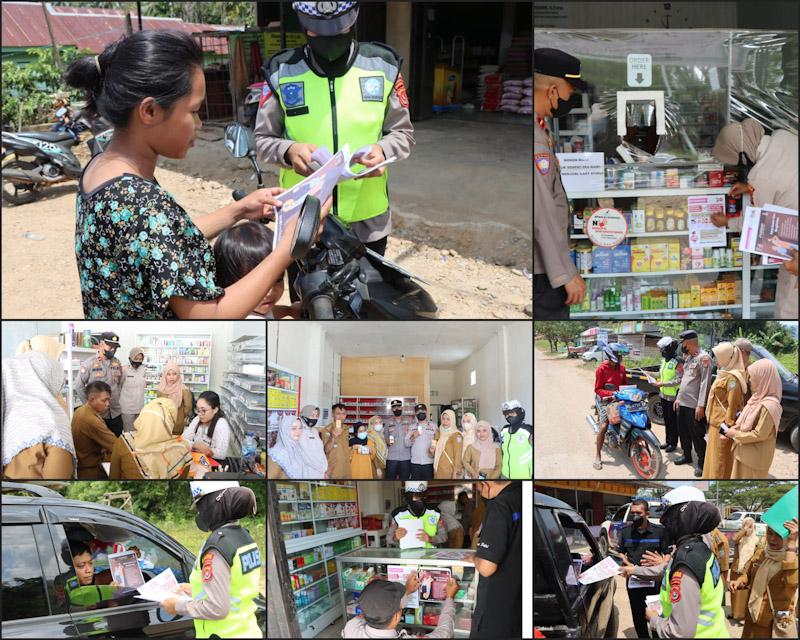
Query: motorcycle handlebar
238, 194
320, 308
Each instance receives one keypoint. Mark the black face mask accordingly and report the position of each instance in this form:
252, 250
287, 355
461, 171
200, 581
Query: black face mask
421, 416
331, 48
416, 507
514, 420
135, 364
201, 522
563, 107
398, 412
310, 421
109, 353
638, 521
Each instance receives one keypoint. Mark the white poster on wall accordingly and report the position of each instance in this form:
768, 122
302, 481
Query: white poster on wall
703, 232
582, 172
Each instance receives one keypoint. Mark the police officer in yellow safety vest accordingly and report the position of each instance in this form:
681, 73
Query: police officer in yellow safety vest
225, 577
692, 588
669, 379
516, 444
414, 512
330, 92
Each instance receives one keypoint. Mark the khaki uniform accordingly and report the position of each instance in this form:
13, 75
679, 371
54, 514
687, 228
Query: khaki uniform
724, 402
183, 410
274, 470
695, 381
131, 397
109, 371
472, 458
551, 218
450, 465
753, 450
739, 597
339, 455
722, 549
782, 588
93, 442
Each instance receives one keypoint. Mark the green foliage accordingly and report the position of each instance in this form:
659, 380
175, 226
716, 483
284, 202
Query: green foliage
33, 86
748, 495
229, 13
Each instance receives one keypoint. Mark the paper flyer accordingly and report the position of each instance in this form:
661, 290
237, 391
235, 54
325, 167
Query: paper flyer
163, 586
702, 232
332, 170
607, 568
769, 231
433, 583
653, 602
399, 573
410, 540
125, 569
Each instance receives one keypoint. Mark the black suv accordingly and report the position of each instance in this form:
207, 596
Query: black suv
36, 529
563, 547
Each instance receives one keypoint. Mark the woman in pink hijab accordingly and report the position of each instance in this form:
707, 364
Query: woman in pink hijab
171, 386
756, 428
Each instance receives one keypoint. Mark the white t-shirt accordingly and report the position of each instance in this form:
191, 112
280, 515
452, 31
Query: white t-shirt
197, 432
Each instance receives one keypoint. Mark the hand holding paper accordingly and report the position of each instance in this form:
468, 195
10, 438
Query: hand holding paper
162, 587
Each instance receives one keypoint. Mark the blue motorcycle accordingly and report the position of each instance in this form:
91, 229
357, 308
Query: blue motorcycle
629, 431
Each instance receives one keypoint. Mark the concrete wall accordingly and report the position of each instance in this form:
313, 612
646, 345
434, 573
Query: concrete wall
372, 496
442, 386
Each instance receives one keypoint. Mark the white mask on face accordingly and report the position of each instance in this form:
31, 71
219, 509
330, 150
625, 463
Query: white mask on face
378, 427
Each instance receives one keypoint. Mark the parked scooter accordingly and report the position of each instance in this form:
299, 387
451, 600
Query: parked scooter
340, 278
629, 431
35, 159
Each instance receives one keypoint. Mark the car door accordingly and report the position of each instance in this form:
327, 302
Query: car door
617, 522
29, 608
121, 614
597, 598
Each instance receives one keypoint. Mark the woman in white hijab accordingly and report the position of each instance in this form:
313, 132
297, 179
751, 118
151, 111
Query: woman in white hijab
745, 541
772, 179
297, 454
37, 438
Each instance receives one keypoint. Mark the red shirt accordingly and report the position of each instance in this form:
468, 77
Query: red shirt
606, 373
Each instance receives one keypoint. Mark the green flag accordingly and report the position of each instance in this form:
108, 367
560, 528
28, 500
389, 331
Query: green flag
783, 510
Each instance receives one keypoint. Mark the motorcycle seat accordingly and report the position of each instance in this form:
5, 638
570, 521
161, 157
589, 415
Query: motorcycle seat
47, 136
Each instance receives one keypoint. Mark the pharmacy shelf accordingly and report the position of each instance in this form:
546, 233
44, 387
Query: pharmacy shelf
649, 234
653, 274
633, 193
761, 304
763, 267
638, 313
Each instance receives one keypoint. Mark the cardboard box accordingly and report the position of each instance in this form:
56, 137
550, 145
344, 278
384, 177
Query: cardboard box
708, 295
621, 258
696, 300
602, 260
674, 256
659, 257
640, 258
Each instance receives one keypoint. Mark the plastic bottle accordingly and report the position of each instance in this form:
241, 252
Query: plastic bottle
249, 448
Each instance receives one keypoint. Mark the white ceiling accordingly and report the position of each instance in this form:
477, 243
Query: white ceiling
445, 342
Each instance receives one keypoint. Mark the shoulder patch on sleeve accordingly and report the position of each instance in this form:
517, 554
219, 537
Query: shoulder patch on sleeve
675, 586
208, 572
732, 384
400, 90
542, 162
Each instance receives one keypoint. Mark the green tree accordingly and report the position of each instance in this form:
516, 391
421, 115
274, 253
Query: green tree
748, 495
555, 331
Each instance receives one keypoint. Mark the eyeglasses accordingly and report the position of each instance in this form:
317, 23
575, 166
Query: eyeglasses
199, 410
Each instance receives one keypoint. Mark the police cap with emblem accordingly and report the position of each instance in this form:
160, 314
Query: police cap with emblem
110, 338
326, 18
688, 335
559, 64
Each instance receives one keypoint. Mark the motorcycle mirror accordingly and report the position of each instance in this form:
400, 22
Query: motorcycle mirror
239, 140
306, 229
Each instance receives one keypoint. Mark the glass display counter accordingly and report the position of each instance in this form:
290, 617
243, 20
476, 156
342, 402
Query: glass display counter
357, 568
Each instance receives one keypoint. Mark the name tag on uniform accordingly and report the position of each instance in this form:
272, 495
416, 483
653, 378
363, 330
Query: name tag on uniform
636, 583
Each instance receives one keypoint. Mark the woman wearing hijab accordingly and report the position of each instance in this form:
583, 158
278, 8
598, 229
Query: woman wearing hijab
171, 386
771, 179
309, 415
362, 453
447, 463
483, 456
43, 344
692, 590
745, 541
455, 531
468, 424
725, 400
225, 577
376, 438
756, 428
151, 451
772, 576
297, 453
37, 437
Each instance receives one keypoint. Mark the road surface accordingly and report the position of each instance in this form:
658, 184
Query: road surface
564, 441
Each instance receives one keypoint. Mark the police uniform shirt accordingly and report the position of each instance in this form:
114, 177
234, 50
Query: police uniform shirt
109, 371
397, 140
551, 220
634, 542
499, 599
696, 380
421, 444
215, 605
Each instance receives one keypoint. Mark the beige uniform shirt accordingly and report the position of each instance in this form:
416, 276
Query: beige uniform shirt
551, 219
94, 369
695, 381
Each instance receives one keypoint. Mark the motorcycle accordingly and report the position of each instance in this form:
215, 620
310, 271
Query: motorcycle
630, 432
340, 278
35, 159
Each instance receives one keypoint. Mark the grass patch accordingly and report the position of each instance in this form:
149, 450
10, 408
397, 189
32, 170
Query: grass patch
187, 533
789, 360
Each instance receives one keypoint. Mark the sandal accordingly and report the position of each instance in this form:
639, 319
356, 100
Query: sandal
598, 465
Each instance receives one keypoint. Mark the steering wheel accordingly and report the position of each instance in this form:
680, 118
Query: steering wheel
306, 229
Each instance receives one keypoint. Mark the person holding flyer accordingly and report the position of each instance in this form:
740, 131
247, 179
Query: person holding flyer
336, 91
224, 579
769, 167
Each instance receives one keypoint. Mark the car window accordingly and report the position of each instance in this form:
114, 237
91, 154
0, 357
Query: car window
22, 582
580, 549
736, 515
620, 514
561, 557
103, 540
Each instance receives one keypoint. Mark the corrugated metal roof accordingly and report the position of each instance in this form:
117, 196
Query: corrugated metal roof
91, 28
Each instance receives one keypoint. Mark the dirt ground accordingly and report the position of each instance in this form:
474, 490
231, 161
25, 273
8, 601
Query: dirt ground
468, 279
626, 628
570, 447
